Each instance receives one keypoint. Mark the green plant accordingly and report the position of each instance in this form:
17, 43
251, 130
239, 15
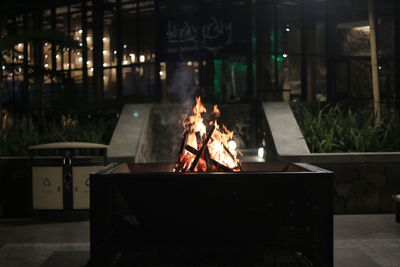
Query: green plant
339, 129
17, 139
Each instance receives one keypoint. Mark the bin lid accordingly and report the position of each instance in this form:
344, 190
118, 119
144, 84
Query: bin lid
66, 145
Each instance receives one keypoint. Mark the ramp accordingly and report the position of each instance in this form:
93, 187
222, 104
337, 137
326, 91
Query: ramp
284, 130
130, 139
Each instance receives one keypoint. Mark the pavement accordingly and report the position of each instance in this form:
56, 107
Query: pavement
359, 241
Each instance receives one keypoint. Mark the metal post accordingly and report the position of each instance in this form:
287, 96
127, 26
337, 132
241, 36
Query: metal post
69, 32
158, 40
276, 75
84, 51
262, 48
374, 62
38, 55
53, 53
397, 51
249, 57
118, 31
25, 66
330, 50
98, 31
303, 49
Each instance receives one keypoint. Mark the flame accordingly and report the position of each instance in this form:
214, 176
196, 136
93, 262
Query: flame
217, 146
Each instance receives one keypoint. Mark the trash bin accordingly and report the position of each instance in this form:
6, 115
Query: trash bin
60, 174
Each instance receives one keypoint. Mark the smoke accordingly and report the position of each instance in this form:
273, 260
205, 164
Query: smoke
183, 86
182, 89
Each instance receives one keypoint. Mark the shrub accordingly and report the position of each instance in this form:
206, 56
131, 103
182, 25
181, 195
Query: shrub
18, 138
339, 129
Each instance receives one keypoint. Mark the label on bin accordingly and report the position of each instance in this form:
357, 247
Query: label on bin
46, 182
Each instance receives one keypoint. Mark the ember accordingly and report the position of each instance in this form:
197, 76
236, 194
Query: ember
206, 149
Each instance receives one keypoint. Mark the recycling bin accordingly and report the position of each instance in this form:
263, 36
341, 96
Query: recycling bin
60, 174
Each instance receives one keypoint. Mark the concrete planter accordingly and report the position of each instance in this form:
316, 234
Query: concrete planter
364, 182
15, 187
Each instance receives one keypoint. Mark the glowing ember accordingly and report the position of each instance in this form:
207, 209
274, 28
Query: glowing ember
206, 148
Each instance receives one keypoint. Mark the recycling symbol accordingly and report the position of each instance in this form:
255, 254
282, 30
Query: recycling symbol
87, 182
46, 182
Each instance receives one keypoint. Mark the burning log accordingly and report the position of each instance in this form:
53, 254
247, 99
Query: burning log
198, 139
233, 157
208, 160
179, 164
213, 164
202, 150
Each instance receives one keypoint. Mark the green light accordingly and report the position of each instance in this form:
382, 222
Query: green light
217, 78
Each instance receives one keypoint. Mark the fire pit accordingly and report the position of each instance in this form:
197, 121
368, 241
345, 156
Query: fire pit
210, 209
270, 214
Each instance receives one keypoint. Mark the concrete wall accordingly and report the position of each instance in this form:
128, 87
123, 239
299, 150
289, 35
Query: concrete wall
130, 140
364, 187
364, 182
15, 187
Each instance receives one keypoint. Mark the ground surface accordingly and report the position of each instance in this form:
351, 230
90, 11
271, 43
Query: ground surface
360, 241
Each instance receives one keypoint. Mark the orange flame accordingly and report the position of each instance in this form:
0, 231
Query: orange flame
217, 145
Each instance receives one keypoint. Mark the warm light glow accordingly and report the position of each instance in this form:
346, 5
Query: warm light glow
219, 149
20, 45
125, 46
80, 31
125, 62
232, 145
88, 62
80, 59
20, 57
104, 39
46, 44
46, 56
285, 55
104, 52
57, 56
189, 63
132, 56
260, 152
104, 64
91, 69
142, 58
88, 39
161, 73
4, 67
46, 65
362, 28
115, 52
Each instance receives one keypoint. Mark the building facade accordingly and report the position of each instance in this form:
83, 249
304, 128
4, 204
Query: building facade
226, 51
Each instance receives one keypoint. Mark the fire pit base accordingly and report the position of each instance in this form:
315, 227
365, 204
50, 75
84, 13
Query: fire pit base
181, 258
271, 214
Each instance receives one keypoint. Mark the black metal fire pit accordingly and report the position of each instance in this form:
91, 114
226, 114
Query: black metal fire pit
271, 214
